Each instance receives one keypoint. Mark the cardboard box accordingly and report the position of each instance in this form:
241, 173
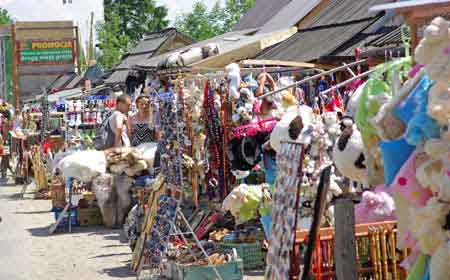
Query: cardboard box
90, 216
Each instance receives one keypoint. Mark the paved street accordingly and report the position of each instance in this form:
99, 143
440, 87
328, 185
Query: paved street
27, 252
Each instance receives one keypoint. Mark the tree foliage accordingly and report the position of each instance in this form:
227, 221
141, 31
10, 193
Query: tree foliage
202, 23
137, 17
112, 42
126, 22
4, 16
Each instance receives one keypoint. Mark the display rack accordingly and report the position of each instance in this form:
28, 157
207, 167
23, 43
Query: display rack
178, 193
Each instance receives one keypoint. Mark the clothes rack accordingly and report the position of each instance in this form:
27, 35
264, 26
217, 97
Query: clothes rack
315, 77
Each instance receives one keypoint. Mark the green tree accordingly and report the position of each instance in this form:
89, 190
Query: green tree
4, 16
234, 10
196, 24
112, 43
137, 17
202, 23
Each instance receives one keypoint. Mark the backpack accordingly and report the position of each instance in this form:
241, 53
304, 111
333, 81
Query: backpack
104, 136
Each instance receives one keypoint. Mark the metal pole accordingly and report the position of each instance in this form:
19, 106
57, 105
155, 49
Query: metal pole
314, 77
367, 73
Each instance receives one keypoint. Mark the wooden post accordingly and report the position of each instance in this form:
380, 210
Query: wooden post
319, 209
344, 246
77, 52
15, 72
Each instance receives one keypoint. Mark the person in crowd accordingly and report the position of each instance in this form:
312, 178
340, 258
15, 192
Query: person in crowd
143, 125
119, 121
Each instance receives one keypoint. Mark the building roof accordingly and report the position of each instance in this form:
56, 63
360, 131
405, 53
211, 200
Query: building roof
232, 45
290, 15
309, 45
260, 14
145, 49
335, 31
343, 11
269, 15
407, 4
224, 40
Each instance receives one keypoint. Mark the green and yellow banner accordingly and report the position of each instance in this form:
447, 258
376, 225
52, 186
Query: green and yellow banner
46, 52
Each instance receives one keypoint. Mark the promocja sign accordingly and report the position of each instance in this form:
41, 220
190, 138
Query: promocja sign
46, 52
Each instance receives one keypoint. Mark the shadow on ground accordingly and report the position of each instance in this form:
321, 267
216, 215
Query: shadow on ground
120, 272
110, 255
14, 196
108, 234
32, 212
255, 273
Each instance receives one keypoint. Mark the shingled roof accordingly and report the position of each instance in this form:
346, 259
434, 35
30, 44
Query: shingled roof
145, 49
270, 15
341, 25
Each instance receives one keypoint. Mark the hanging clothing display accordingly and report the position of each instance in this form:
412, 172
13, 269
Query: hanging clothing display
284, 212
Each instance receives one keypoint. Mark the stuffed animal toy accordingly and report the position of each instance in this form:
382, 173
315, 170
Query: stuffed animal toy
244, 201
348, 154
234, 77
374, 95
439, 263
427, 225
433, 51
403, 210
406, 184
293, 126
393, 116
375, 206
395, 153
435, 175
332, 126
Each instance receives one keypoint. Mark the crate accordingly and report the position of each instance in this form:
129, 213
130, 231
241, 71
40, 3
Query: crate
58, 195
250, 253
230, 271
75, 221
90, 216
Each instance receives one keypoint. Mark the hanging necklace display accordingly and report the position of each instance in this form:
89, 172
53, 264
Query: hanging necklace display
285, 211
215, 141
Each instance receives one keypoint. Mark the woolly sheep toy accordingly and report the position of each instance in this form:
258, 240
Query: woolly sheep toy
434, 51
348, 153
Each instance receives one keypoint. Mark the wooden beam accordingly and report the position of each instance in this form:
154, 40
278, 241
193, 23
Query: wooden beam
15, 71
344, 247
268, 62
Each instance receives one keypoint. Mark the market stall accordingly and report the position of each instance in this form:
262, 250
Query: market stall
259, 168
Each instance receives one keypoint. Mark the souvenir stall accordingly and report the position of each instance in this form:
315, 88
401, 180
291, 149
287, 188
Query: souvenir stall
403, 121
228, 141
